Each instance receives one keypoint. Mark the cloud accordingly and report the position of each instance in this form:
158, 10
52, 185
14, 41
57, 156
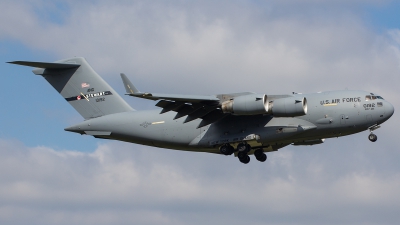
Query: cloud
212, 48
201, 48
123, 183
242, 48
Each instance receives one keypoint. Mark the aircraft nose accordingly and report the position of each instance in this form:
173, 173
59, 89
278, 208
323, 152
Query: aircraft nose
389, 109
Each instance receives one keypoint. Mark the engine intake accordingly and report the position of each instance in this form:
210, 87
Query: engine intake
253, 104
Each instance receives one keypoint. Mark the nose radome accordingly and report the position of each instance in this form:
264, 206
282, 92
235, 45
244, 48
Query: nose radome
389, 109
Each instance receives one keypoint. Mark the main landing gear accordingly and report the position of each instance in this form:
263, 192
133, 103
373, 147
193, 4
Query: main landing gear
260, 155
243, 149
243, 157
226, 149
372, 137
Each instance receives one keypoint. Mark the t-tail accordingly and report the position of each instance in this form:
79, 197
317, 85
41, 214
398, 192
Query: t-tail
81, 86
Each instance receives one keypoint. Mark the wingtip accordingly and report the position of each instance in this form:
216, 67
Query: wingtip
129, 87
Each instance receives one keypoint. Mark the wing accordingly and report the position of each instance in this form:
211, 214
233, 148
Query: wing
204, 107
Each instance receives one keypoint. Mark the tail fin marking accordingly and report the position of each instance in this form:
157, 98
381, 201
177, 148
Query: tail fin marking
81, 86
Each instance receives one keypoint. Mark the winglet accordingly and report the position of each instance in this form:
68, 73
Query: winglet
129, 87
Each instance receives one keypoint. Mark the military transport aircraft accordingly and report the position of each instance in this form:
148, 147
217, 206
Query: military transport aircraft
242, 124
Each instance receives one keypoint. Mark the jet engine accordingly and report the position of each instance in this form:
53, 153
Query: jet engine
253, 104
289, 107
256, 104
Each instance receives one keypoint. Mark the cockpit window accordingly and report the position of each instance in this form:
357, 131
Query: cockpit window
372, 97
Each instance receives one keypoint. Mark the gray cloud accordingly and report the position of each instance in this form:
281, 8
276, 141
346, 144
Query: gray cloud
216, 47
239, 48
123, 183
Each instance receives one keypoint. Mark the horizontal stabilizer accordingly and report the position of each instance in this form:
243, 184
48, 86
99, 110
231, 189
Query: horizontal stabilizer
46, 65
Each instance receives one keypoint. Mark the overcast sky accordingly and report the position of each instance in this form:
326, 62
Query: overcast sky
49, 176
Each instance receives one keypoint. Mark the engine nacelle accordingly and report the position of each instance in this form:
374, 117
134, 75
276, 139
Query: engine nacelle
289, 107
253, 104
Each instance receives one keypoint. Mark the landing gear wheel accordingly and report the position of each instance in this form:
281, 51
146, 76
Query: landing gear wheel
241, 154
226, 149
243, 157
231, 150
372, 137
260, 155
243, 147
248, 147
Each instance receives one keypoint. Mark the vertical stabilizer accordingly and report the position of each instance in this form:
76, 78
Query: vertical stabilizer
81, 86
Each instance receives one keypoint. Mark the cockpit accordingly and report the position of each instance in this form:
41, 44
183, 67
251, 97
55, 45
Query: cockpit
372, 97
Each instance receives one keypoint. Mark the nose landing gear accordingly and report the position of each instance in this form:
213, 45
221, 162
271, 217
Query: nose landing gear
372, 137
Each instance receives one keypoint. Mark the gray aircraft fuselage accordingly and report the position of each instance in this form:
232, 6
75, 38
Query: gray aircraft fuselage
330, 114
241, 123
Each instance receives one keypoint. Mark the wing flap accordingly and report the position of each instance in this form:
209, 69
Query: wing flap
186, 110
212, 117
198, 113
172, 106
